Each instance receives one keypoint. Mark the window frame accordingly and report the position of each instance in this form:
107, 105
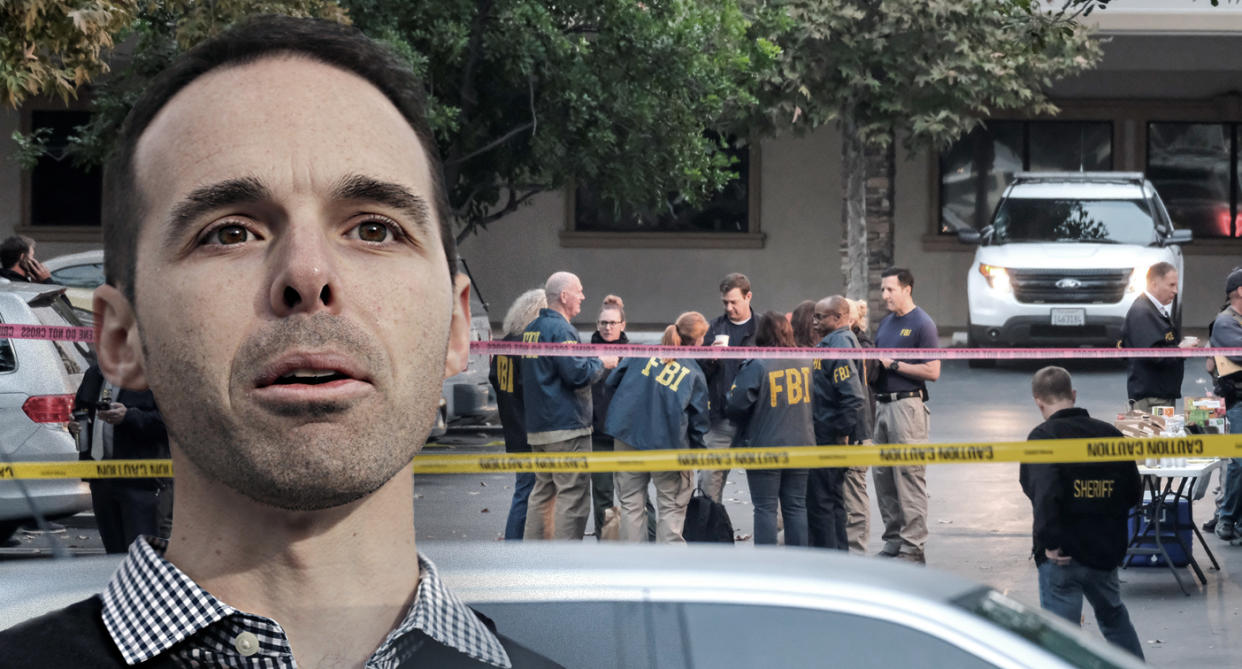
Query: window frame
25, 226
755, 238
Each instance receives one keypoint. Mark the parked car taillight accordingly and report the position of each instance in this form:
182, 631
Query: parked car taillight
49, 408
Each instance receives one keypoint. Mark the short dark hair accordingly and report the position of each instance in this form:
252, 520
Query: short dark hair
735, 280
261, 37
1051, 384
904, 277
12, 250
1160, 270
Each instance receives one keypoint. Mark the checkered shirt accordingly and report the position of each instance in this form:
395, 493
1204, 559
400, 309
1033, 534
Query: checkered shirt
152, 608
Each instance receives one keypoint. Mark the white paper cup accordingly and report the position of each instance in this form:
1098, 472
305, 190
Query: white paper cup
721, 340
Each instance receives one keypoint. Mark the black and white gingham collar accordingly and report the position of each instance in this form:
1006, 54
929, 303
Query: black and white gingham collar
150, 606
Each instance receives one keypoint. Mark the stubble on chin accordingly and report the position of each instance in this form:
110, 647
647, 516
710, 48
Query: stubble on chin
313, 457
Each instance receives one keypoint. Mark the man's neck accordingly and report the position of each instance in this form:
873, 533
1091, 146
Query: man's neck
337, 580
560, 309
1156, 301
902, 311
739, 320
17, 269
1051, 410
1235, 303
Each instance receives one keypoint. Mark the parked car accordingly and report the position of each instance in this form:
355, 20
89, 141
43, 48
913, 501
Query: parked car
80, 274
676, 607
37, 381
1064, 258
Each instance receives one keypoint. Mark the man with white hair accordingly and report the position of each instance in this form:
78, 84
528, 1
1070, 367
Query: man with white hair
557, 394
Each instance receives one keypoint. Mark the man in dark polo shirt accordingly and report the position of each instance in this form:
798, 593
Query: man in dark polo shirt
902, 417
1154, 321
735, 327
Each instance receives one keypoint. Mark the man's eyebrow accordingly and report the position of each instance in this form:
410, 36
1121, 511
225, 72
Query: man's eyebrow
231, 192
360, 187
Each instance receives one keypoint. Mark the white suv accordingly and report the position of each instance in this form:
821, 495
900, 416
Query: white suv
1064, 257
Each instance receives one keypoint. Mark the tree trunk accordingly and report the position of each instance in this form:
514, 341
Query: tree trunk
854, 258
881, 180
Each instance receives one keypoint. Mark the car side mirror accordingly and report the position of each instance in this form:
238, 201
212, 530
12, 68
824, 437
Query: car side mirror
969, 236
1179, 237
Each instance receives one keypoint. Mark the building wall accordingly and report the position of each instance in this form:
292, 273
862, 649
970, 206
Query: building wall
800, 214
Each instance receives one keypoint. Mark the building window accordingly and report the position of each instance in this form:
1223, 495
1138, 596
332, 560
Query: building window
1194, 167
727, 212
62, 193
975, 170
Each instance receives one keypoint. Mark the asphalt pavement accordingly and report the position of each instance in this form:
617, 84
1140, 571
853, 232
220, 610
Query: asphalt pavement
980, 521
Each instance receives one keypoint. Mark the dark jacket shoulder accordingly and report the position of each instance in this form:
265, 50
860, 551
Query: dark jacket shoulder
73, 637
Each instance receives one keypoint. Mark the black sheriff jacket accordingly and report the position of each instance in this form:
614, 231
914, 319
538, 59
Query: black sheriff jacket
1081, 507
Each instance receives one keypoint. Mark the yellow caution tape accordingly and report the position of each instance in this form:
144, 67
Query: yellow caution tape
111, 469
1101, 449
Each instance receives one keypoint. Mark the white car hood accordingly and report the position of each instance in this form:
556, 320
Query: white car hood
1072, 255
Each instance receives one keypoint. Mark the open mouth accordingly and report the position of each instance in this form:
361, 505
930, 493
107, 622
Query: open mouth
310, 377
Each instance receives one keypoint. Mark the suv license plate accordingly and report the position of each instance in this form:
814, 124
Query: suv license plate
1069, 317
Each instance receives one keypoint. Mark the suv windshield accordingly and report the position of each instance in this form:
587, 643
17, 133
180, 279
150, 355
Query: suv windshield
1092, 221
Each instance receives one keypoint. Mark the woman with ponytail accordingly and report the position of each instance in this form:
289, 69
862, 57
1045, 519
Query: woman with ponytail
771, 403
659, 403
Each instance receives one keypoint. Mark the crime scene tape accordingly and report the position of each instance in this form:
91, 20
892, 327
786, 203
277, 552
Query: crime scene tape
528, 349
83, 334
53, 332
1095, 449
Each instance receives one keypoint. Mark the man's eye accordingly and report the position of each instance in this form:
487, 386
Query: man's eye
373, 231
230, 234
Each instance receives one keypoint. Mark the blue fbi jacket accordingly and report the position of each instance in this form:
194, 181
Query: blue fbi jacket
771, 402
557, 390
840, 399
658, 404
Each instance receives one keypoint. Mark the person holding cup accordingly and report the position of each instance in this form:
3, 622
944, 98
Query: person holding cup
735, 327
1155, 321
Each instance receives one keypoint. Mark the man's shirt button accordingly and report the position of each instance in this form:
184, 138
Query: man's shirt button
246, 643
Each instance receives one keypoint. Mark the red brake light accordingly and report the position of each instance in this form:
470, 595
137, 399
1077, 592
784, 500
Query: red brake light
49, 408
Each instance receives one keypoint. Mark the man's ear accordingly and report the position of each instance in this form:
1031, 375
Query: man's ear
459, 328
117, 342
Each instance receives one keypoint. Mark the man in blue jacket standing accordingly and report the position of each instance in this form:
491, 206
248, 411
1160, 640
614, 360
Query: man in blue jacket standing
557, 393
839, 409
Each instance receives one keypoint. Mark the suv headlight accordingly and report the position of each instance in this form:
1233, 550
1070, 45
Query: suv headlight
1138, 279
998, 277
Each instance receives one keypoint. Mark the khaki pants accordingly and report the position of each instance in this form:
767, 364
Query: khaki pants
673, 490
568, 493
857, 509
902, 491
1145, 404
712, 481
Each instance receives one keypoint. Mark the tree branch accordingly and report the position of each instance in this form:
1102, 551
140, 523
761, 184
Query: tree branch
491, 145
511, 206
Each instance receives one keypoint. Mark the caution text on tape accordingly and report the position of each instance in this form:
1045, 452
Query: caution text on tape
811, 457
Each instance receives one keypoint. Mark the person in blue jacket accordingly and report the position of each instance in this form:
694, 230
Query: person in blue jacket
659, 403
840, 406
771, 402
507, 381
557, 393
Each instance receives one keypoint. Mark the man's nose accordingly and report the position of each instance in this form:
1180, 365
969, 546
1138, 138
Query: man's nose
305, 278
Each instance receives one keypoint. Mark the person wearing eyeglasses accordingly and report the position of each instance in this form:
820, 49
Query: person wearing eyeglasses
609, 329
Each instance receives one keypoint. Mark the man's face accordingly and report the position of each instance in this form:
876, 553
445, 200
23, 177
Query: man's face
736, 304
895, 295
292, 296
571, 299
1164, 288
825, 320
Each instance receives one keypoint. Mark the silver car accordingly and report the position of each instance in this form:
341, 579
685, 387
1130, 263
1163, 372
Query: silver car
676, 607
37, 381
